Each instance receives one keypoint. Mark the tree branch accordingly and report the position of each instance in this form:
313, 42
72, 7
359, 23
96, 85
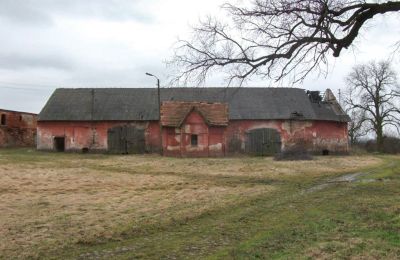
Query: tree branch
272, 38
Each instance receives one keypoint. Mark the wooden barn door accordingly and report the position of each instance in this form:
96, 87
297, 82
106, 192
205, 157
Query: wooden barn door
263, 141
134, 139
115, 140
126, 140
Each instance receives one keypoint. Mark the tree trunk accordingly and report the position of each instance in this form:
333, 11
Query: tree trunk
379, 138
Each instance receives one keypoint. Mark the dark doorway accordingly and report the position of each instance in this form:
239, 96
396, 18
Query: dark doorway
3, 119
126, 140
59, 144
263, 141
325, 152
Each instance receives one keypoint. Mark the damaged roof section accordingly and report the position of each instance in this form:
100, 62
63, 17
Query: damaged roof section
174, 113
141, 104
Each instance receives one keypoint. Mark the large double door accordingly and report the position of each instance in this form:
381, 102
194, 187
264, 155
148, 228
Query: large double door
263, 141
126, 140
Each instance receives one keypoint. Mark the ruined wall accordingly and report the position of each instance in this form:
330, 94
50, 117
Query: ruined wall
210, 140
91, 135
318, 136
17, 129
315, 135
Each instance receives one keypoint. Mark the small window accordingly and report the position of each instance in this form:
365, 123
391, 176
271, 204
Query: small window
3, 119
194, 140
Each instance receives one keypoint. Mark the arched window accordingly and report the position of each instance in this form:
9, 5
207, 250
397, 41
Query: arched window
3, 119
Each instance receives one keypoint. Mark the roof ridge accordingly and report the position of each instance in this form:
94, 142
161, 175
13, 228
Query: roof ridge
90, 88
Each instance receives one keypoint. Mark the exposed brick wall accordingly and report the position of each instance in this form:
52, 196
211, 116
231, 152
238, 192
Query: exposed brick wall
17, 129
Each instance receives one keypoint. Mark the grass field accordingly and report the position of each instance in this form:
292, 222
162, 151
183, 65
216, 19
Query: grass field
56, 205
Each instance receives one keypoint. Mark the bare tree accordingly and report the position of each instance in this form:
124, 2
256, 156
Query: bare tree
274, 38
374, 92
356, 127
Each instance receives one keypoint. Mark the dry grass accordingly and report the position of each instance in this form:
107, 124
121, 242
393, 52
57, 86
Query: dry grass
55, 200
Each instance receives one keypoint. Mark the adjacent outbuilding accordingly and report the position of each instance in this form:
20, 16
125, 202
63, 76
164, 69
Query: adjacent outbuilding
17, 129
197, 122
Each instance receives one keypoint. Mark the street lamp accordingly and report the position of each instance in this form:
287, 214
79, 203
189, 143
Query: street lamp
159, 108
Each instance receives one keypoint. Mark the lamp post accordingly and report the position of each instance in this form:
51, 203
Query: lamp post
159, 108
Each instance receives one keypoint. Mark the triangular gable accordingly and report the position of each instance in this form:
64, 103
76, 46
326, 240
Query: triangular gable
193, 109
174, 113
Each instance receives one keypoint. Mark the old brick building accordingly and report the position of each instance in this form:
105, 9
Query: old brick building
194, 121
17, 129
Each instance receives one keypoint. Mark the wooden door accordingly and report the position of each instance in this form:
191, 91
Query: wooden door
263, 141
135, 143
126, 140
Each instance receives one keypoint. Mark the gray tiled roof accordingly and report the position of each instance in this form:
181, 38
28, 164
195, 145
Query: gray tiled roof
84, 104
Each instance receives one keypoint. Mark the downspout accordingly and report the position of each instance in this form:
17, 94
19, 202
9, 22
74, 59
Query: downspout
92, 118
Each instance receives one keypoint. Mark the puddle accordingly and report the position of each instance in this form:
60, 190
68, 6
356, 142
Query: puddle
352, 177
348, 178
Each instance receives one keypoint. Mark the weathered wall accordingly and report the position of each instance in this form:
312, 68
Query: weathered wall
177, 141
91, 135
212, 141
315, 135
17, 129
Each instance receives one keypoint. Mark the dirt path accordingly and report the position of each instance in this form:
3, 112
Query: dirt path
347, 178
351, 177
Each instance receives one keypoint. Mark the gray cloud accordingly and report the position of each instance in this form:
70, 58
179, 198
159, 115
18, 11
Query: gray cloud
41, 12
23, 12
35, 99
112, 43
131, 75
20, 61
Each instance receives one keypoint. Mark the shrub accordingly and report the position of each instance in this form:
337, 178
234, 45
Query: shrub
357, 149
391, 145
296, 152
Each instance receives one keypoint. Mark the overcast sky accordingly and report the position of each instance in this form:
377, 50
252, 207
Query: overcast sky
47, 44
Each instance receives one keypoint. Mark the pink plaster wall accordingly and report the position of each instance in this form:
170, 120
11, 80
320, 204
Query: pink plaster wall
177, 141
213, 141
316, 135
92, 135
